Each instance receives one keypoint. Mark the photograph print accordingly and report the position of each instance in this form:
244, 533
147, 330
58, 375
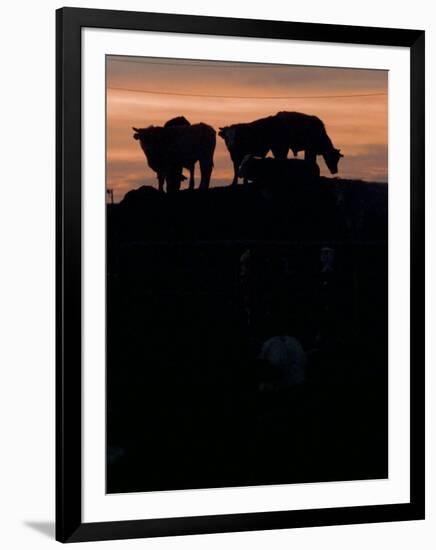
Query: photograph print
247, 274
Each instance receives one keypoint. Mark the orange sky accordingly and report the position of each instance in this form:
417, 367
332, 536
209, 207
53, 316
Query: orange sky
356, 125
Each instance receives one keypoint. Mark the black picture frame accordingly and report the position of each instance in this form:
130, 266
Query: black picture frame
69, 525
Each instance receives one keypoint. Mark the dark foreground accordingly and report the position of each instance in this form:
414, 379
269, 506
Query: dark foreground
197, 283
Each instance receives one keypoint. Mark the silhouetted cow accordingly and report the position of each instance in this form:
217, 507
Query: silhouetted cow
182, 121
177, 121
307, 133
279, 133
269, 170
251, 138
170, 149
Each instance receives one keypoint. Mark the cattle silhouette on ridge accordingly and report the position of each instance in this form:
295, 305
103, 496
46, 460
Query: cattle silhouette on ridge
300, 132
280, 133
176, 121
169, 149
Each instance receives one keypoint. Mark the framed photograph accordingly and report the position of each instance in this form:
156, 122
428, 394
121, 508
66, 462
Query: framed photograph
240, 274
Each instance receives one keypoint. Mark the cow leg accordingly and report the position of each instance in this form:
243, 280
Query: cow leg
173, 184
161, 180
235, 170
173, 179
205, 171
178, 178
191, 176
170, 184
310, 156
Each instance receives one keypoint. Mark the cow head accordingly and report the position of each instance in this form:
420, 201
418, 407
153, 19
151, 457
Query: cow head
228, 133
137, 132
143, 134
222, 131
332, 159
149, 138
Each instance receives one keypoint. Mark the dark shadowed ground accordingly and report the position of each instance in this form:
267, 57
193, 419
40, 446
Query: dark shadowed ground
197, 283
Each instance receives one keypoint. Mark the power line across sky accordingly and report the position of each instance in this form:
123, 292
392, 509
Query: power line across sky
186, 94
235, 65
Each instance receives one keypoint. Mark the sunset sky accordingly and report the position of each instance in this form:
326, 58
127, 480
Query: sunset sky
145, 91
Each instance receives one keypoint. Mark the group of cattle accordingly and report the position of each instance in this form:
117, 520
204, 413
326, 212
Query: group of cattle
178, 145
